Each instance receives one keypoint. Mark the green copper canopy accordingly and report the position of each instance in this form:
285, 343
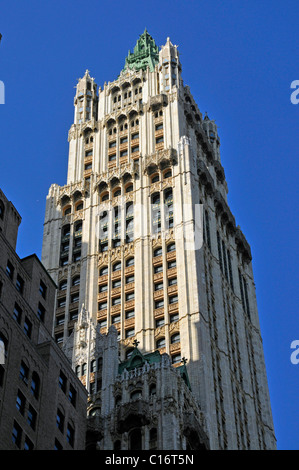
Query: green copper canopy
146, 54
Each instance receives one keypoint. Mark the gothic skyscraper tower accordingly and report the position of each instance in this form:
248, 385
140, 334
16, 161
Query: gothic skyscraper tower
142, 238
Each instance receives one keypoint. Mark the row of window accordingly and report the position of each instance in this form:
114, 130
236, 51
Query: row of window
122, 127
68, 209
20, 281
225, 264
63, 385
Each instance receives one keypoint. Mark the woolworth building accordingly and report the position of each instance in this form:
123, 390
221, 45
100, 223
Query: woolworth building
156, 304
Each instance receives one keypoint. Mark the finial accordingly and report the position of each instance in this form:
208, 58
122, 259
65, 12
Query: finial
135, 343
184, 360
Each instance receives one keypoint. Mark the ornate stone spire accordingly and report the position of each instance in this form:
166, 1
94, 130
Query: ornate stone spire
146, 54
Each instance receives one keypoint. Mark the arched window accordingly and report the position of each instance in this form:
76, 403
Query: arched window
84, 368
67, 210
155, 178
117, 192
104, 196
79, 206
160, 343
117, 266
130, 262
167, 174
104, 271
129, 188
158, 252
152, 389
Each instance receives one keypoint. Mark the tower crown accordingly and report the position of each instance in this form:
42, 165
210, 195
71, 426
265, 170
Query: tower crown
146, 53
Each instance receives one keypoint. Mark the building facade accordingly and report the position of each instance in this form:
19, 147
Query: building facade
143, 236
42, 402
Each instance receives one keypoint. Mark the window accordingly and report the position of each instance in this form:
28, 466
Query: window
63, 285
160, 322
9, 270
1, 210
130, 296
31, 417
104, 271
167, 174
102, 323
130, 333
130, 187
171, 264
75, 298
17, 313
41, 312
159, 126
35, 385
60, 420
116, 319
42, 289
158, 252
171, 247
112, 158
28, 445
102, 306
24, 372
116, 284
92, 387
159, 303
117, 192
116, 301
62, 381
78, 371
155, 179
27, 327
16, 434
173, 299
172, 282
117, 267
20, 284
159, 140
70, 435
160, 343
159, 286
135, 136
130, 262
130, 314
158, 269
175, 338
129, 353
57, 445
130, 279
74, 315
20, 403
84, 368
176, 359
72, 395
104, 288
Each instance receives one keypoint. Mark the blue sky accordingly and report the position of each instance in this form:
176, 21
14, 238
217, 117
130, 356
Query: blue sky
239, 59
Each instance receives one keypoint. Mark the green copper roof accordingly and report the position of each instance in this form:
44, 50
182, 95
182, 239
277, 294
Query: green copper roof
137, 360
146, 54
